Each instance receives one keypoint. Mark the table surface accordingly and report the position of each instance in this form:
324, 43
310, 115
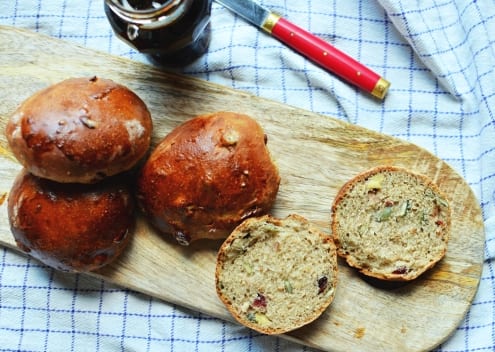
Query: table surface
439, 57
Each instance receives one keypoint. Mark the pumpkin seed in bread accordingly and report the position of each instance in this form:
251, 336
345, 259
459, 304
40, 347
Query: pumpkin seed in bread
391, 223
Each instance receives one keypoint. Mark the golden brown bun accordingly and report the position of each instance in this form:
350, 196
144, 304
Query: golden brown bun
207, 176
80, 130
71, 227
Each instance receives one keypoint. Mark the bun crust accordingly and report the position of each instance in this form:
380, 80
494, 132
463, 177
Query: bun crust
276, 275
208, 175
70, 227
390, 223
80, 130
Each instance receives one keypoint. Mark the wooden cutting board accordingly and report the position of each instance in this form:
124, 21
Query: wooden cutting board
316, 155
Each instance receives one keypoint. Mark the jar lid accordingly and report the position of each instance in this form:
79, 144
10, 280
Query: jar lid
149, 14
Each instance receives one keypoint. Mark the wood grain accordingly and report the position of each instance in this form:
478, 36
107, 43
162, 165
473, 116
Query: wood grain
316, 155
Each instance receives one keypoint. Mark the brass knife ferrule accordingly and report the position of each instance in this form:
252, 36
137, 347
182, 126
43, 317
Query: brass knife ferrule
270, 22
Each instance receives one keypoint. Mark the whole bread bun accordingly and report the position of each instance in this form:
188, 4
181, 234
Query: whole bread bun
208, 175
391, 223
276, 275
80, 130
71, 227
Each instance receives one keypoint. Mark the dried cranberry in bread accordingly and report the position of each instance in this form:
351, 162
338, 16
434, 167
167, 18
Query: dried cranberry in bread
80, 130
276, 275
390, 223
208, 175
71, 227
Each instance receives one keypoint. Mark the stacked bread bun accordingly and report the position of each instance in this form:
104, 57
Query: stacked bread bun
71, 227
70, 207
80, 130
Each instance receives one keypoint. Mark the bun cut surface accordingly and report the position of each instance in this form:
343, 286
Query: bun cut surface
276, 275
391, 223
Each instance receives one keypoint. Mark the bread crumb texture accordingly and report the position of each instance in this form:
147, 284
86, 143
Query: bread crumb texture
276, 275
391, 223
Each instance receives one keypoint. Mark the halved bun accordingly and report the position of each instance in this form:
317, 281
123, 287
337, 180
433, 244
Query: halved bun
391, 223
276, 275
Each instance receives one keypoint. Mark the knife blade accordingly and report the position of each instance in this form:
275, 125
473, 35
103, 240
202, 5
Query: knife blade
310, 46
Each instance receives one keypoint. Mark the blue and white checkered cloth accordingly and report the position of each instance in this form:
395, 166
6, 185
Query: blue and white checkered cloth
439, 56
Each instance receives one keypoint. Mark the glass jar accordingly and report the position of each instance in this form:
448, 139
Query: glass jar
170, 32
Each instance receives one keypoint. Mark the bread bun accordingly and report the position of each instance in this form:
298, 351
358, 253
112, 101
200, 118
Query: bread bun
70, 227
390, 223
207, 176
276, 275
80, 130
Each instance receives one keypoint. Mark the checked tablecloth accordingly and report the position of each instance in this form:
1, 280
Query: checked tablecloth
439, 56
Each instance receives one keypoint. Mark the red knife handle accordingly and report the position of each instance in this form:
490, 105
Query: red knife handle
326, 55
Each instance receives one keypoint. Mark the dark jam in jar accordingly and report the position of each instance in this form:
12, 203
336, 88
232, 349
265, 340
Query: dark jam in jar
170, 32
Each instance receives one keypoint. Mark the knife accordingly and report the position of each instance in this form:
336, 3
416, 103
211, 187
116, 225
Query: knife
310, 46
